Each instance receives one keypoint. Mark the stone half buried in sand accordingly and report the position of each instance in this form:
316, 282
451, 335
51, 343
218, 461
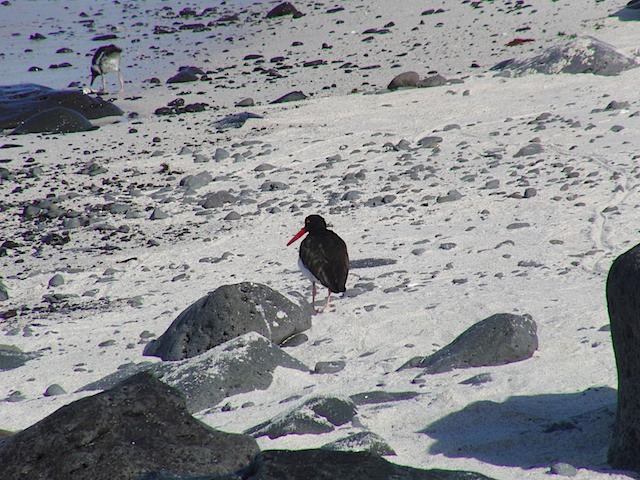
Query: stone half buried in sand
498, 340
580, 55
21, 102
228, 312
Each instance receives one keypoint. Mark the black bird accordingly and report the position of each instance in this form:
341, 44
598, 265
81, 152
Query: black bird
106, 60
323, 257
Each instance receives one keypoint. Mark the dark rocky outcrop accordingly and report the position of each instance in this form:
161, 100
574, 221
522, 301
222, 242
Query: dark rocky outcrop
139, 426
12, 357
623, 300
500, 339
21, 102
581, 55
230, 311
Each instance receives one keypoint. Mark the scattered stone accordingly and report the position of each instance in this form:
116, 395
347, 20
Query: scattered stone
290, 97
236, 120
139, 426
498, 340
452, 196
245, 102
199, 180
381, 396
56, 280
233, 216
334, 366
529, 150
313, 416
230, 311
478, 379
430, 142
283, 9
158, 214
53, 390
406, 79
432, 81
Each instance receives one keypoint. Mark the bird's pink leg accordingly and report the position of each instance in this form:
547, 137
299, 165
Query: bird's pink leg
313, 293
320, 310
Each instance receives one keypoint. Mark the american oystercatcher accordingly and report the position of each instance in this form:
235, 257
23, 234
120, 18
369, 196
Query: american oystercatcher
106, 60
323, 257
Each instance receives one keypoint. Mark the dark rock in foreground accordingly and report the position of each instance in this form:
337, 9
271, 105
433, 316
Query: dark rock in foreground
20, 102
582, 55
141, 425
228, 312
327, 464
623, 299
500, 339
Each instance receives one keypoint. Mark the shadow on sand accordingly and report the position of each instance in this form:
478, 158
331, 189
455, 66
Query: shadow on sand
532, 431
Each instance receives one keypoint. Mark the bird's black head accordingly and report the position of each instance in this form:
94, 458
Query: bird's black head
315, 223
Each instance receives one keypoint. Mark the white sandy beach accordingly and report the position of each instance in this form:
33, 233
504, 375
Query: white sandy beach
457, 262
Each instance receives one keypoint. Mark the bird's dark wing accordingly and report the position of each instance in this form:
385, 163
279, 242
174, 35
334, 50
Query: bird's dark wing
325, 256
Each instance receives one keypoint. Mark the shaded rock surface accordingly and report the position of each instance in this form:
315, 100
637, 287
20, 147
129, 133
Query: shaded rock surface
500, 339
230, 311
582, 55
21, 102
297, 465
623, 301
141, 425
314, 415
55, 120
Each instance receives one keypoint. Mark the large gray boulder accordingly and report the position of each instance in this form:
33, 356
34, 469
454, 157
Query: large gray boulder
226, 313
243, 364
240, 365
581, 55
623, 300
500, 339
139, 426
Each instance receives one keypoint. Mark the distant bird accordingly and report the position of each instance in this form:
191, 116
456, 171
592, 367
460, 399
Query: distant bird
106, 60
323, 257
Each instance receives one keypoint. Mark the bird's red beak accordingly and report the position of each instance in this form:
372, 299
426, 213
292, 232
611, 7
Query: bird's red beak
297, 236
